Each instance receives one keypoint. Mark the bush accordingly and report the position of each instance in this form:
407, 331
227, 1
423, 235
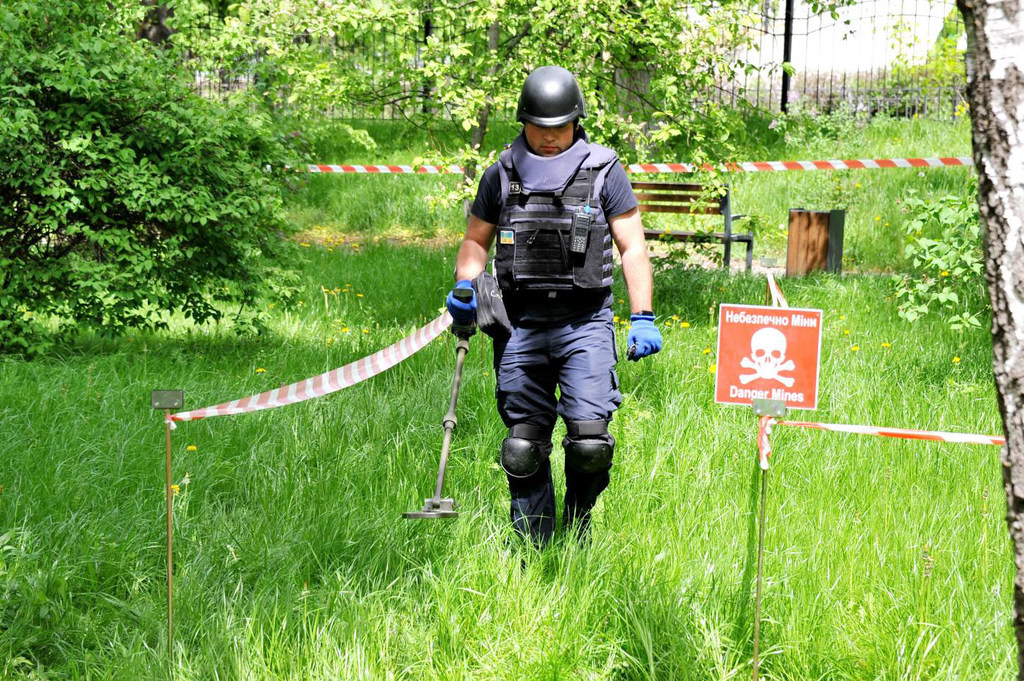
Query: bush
123, 195
944, 251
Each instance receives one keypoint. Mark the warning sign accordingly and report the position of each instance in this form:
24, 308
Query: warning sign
769, 353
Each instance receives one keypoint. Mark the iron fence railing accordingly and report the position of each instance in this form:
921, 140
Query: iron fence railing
895, 57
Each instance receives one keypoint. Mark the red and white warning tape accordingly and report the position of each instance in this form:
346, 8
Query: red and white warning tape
902, 433
775, 293
766, 423
326, 383
683, 168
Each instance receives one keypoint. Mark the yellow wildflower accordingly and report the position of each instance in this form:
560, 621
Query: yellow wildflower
944, 273
261, 370
713, 368
190, 448
344, 329
684, 325
956, 360
707, 351
854, 348
359, 295
887, 345
175, 489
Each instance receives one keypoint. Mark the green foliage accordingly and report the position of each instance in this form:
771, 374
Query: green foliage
123, 195
944, 252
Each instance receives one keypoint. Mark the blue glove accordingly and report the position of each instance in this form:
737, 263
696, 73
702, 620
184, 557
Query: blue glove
644, 338
462, 313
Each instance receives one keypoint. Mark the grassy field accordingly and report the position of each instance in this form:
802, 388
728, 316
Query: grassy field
413, 206
884, 559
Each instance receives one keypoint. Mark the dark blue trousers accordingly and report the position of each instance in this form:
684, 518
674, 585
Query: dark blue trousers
565, 369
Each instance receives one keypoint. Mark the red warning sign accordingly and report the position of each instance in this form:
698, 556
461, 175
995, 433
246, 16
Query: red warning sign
768, 353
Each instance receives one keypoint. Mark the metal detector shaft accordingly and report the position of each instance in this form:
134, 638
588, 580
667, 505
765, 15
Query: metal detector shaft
461, 349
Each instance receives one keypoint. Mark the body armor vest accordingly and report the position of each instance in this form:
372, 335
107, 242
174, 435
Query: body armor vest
539, 196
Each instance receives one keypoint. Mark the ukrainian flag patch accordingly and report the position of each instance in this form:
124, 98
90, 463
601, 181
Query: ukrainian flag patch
507, 236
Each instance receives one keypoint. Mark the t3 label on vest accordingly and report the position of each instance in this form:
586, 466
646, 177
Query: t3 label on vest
768, 353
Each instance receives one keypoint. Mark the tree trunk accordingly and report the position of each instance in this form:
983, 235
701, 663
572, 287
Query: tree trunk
154, 27
995, 33
480, 131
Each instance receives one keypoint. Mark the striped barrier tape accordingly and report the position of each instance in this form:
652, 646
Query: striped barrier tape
766, 423
684, 168
902, 433
326, 383
775, 293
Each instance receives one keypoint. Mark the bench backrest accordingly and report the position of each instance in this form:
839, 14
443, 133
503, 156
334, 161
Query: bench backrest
676, 197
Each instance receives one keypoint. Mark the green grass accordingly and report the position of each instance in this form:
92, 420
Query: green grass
416, 206
884, 559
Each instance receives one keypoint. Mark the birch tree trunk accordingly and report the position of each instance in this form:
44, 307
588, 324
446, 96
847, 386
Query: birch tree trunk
995, 33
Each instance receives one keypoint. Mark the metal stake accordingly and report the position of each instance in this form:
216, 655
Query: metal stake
760, 563
170, 553
168, 400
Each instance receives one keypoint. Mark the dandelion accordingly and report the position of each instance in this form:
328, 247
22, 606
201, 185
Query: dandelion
886, 345
857, 185
855, 348
684, 325
706, 351
261, 370
175, 489
191, 448
330, 339
944, 273
366, 331
842, 317
878, 218
304, 244
713, 368
956, 360
359, 295
675, 318
846, 332
615, 319
344, 329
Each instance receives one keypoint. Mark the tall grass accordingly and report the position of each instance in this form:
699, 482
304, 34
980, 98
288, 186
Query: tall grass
884, 559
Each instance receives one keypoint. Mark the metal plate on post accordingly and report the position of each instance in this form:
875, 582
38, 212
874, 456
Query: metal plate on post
167, 399
769, 407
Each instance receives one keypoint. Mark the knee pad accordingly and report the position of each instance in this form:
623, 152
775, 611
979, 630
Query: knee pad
588, 446
522, 457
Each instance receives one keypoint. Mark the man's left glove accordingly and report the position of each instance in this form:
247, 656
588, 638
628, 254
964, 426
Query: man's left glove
644, 338
463, 313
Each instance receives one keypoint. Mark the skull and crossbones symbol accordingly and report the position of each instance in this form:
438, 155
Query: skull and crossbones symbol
767, 357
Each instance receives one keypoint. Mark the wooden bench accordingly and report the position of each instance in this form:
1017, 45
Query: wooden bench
690, 199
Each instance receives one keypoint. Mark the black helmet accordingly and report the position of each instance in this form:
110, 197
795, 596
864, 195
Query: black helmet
551, 97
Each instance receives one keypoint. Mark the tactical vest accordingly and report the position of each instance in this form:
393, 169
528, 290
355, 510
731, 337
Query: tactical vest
539, 196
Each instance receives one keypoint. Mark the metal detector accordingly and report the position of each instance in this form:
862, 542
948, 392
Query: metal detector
438, 506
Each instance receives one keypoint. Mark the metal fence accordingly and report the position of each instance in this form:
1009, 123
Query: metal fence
895, 57
898, 57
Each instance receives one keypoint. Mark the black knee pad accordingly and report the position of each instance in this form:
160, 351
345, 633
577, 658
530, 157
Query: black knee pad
588, 446
520, 458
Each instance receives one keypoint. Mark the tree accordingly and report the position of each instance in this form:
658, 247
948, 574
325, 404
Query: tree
123, 195
995, 32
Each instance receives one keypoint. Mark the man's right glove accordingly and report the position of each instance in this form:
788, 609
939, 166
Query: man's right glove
644, 338
463, 313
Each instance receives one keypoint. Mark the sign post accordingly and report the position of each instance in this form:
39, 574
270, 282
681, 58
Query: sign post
768, 358
168, 400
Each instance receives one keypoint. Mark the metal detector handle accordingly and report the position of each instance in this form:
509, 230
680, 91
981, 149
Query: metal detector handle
464, 331
461, 349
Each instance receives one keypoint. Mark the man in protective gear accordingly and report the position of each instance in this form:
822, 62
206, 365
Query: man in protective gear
556, 202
